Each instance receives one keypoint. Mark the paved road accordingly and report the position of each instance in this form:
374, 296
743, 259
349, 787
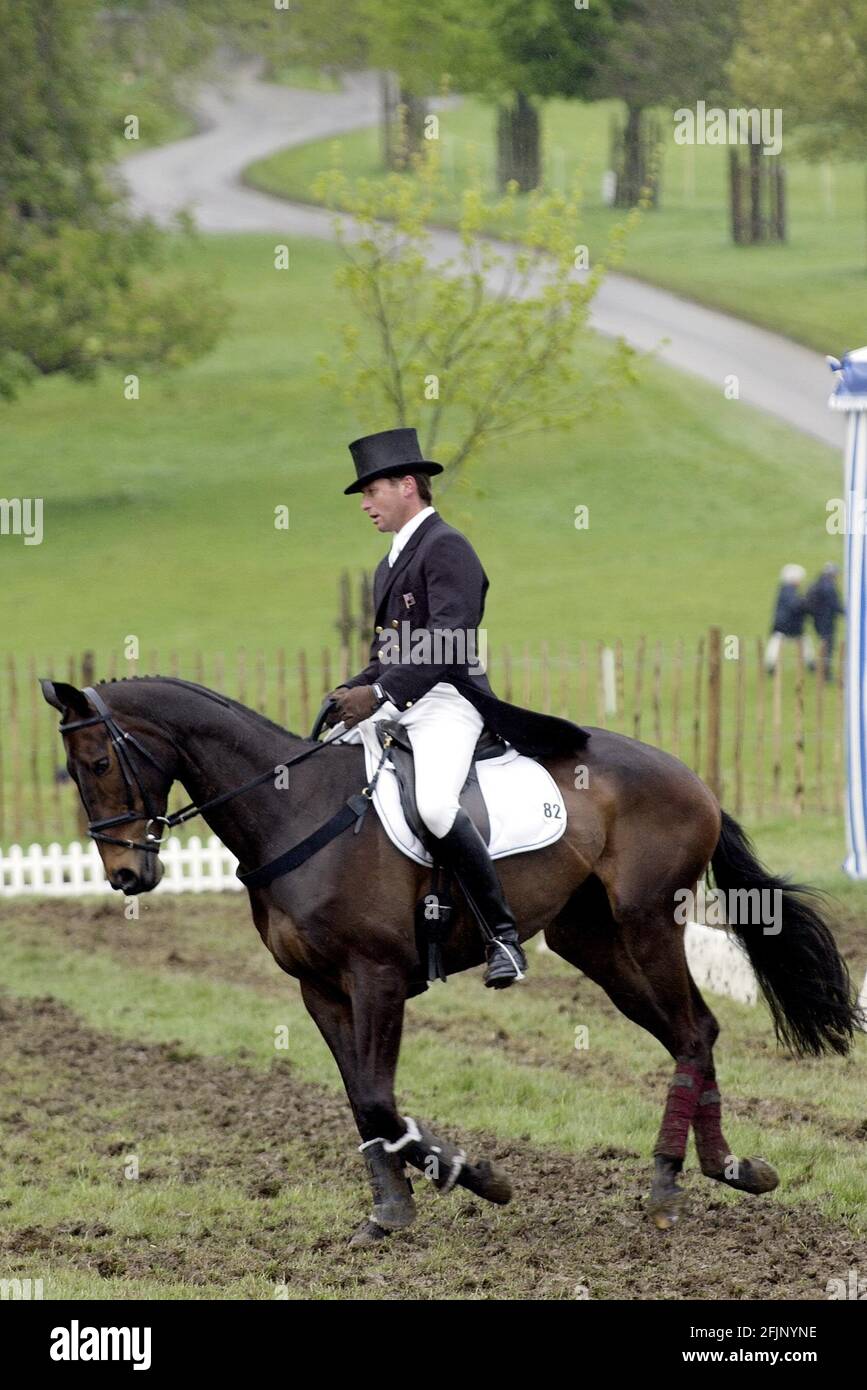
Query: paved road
244, 119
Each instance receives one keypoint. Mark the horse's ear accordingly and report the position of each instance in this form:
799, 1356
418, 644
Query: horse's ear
65, 697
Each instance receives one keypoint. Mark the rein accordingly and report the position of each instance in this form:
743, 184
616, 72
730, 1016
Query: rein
352, 811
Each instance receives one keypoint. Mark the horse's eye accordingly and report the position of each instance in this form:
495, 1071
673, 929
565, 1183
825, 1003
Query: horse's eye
101, 766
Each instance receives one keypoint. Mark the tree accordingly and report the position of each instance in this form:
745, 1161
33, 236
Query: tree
480, 348
539, 50
81, 283
812, 64
661, 53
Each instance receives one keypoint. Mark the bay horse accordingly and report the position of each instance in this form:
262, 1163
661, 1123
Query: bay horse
641, 828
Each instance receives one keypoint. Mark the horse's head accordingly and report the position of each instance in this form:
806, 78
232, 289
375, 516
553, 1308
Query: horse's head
124, 771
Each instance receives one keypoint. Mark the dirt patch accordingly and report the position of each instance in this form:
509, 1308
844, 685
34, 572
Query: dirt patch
216, 939
577, 1222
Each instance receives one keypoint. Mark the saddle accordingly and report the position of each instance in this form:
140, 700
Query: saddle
393, 737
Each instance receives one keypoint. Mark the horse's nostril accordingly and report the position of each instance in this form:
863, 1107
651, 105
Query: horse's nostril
126, 880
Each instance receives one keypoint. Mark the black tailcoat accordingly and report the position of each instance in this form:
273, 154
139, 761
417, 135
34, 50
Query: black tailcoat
437, 585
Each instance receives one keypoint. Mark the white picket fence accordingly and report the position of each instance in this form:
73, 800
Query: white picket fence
52, 871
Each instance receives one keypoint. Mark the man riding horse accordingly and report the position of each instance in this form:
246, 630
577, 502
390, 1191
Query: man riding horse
431, 589
639, 828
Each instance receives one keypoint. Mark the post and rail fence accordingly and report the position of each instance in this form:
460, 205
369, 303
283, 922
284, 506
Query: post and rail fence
766, 744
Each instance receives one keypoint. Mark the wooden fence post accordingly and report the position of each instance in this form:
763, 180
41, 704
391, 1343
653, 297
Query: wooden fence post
344, 619
777, 729
325, 678
740, 707
564, 682
696, 713
761, 679
87, 678
15, 745
639, 687
261, 684
3, 725
676, 686
714, 710
583, 696
54, 763
839, 721
303, 691
34, 748
820, 730
657, 694
282, 712
601, 714
798, 797
242, 675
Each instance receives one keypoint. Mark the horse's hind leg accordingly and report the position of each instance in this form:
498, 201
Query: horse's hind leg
715, 1158
639, 960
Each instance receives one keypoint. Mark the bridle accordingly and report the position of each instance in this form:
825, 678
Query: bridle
132, 782
120, 738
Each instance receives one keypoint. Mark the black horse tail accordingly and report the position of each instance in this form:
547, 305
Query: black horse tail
799, 969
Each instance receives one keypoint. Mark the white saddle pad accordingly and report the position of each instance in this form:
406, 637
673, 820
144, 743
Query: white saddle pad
525, 805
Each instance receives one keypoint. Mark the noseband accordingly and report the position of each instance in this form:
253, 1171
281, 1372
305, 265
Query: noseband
121, 738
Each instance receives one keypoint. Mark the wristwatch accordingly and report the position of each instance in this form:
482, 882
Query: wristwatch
380, 694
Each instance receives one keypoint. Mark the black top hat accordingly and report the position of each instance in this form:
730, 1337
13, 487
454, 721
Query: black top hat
389, 454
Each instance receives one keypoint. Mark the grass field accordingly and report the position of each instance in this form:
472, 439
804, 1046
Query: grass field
159, 513
156, 1144
812, 288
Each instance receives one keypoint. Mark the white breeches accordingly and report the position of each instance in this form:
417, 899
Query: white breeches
443, 728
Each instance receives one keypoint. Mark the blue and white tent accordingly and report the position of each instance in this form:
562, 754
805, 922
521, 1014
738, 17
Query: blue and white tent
850, 395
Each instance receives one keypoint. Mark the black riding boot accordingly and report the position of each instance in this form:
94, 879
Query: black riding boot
464, 851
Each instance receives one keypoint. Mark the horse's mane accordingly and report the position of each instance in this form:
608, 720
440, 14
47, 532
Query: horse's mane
225, 700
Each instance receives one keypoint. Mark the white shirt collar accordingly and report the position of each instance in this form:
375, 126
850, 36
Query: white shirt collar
406, 531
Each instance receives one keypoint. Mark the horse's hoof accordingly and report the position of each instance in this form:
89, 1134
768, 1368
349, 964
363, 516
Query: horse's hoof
487, 1181
664, 1208
395, 1214
369, 1233
749, 1175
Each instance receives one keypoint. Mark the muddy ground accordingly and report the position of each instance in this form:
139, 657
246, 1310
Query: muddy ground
575, 1223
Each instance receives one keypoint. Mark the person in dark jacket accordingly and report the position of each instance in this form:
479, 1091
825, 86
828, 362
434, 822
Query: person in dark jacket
427, 671
825, 606
790, 612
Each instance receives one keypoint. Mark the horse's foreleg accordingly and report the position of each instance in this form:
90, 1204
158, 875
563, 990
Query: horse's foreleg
448, 1167
368, 1078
